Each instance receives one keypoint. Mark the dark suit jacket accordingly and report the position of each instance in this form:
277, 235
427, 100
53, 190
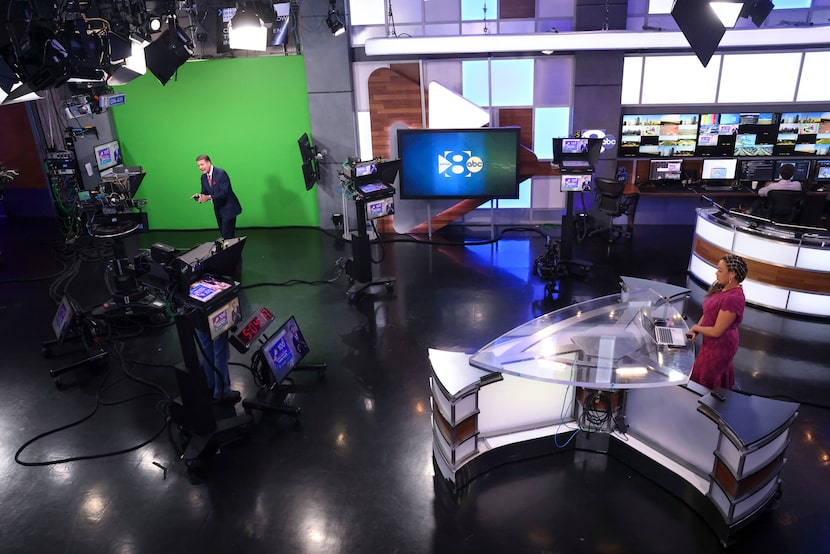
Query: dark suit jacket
225, 202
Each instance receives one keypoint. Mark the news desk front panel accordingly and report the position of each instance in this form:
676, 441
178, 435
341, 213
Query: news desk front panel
789, 269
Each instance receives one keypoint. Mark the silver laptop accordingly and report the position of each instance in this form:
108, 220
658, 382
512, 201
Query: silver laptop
672, 336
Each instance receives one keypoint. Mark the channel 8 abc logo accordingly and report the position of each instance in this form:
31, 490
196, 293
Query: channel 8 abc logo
454, 164
608, 141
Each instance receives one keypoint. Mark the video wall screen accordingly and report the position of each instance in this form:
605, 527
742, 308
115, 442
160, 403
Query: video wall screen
720, 135
666, 135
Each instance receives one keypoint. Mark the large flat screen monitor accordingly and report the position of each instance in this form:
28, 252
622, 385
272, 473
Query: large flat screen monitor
284, 350
107, 155
459, 163
719, 169
802, 169
665, 170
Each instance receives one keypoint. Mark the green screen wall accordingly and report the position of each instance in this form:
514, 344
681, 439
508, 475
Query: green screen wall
246, 114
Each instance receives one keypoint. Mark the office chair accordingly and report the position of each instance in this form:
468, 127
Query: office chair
611, 202
784, 206
812, 210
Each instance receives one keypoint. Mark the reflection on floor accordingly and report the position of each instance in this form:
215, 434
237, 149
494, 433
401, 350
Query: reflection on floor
355, 474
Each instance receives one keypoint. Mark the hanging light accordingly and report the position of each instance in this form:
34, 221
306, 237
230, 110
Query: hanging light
246, 31
727, 12
334, 22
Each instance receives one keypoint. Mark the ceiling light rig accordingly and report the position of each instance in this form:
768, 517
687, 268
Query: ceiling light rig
704, 23
247, 31
335, 24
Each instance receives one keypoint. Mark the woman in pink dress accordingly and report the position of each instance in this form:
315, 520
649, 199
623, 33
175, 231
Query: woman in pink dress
723, 311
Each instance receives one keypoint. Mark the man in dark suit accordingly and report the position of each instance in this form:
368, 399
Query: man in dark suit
216, 188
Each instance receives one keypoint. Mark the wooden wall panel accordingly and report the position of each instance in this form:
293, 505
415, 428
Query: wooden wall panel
18, 149
393, 98
517, 9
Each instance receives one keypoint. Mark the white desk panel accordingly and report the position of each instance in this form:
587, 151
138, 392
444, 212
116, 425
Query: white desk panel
814, 258
719, 236
809, 303
765, 250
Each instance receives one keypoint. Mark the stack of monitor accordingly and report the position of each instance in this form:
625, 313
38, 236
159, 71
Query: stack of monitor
770, 170
577, 158
758, 134
731, 169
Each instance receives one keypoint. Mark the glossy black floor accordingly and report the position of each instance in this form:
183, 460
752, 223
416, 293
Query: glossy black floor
356, 474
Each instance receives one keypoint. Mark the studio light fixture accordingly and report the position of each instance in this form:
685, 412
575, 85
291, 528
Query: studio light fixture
757, 11
246, 30
727, 12
704, 23
154, 24
334, 22
167, 53
133, 67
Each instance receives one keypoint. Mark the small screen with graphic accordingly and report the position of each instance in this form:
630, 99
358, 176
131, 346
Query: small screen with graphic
285, 350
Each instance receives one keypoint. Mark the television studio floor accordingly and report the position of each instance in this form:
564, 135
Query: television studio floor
355, 474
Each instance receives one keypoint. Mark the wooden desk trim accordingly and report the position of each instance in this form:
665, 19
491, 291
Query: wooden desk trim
785, 277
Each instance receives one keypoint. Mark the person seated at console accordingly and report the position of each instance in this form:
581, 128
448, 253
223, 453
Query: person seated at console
784, 183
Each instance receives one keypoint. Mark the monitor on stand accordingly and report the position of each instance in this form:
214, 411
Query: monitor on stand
280, 356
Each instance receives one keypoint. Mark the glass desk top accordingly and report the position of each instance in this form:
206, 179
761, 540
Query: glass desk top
604, 343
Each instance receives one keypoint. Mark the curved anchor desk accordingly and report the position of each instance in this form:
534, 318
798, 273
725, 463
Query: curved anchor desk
590, 376
789, 265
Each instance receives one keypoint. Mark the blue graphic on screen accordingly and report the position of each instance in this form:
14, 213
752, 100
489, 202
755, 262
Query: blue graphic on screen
284, 350
468, 163
279, 355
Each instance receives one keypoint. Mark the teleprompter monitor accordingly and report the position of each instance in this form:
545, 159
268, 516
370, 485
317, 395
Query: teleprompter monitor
380, 208
220, 257
284, 350
575, 183
224, 317
577, 155
459, 163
